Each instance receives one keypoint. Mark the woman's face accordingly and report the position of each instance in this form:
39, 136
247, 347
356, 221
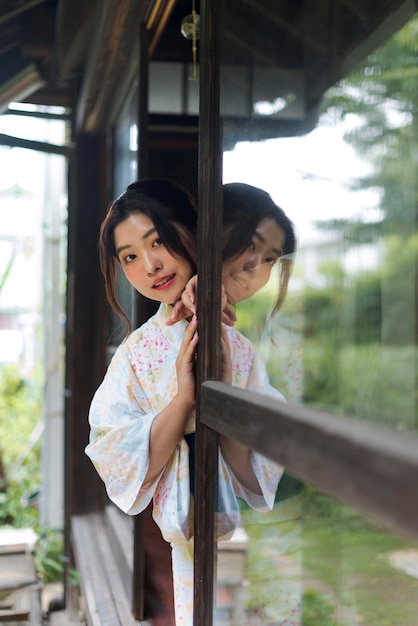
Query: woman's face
147, 263
243, 276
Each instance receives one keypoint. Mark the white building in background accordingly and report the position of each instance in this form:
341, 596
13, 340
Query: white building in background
313, 255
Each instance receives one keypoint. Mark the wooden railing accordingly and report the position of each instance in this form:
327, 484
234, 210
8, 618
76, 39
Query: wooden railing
369, 467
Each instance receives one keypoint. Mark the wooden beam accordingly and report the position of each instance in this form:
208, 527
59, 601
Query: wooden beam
363, 465
27, 6
158, 20
279, 19
111, 58
30, 144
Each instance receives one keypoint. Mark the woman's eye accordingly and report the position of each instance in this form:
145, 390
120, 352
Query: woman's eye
251, 245
156, 242
271, 260
129, 258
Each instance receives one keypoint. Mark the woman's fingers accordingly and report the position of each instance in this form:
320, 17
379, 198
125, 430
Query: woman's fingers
185, 306
185, 364
189, 344
189, 294
179, 312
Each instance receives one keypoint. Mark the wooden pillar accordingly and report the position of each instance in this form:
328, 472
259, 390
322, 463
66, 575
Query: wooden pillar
86, 305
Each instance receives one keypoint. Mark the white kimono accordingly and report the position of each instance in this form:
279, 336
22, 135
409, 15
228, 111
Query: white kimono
140, 381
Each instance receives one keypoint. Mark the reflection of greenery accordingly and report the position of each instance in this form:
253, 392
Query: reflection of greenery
316, 609
347, 555
382, 94
338, 563
252, 313
359, 354
356, 340
273, 564
373, 382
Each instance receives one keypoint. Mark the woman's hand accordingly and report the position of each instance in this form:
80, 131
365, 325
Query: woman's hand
185, 365
168, 426
186, 306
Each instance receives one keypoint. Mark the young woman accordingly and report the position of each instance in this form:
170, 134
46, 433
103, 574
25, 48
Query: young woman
144, 408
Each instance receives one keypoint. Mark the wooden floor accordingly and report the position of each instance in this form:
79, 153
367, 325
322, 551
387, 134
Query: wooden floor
158, 580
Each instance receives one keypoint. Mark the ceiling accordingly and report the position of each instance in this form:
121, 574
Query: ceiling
81, 54
58, 52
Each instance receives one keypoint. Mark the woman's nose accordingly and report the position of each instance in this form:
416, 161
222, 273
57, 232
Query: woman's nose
252, 262
152, 264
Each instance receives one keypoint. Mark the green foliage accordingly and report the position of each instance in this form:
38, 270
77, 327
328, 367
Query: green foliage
399, 280
367, 319
252, 314
20, 413
321, 372
7, 271
373, 382
317, 610
378, 383
382, 94
48, 556
320, 308
348, 558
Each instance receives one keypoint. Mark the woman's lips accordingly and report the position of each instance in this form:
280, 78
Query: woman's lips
163, 283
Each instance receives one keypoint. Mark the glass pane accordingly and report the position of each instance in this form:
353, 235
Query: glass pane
166, 88
345, 339
315, 562
329, 130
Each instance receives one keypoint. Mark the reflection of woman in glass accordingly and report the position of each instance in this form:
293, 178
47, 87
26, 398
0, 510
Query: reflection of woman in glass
257, 235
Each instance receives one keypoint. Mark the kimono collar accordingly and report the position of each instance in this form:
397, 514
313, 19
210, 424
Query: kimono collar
174, 334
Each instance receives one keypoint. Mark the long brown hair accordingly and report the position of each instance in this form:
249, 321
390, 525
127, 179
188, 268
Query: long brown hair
172, 210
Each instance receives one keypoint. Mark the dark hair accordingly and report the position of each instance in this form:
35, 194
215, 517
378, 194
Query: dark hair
172, 210
244, 206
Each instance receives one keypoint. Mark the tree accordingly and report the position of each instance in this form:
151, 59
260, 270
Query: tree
382, 93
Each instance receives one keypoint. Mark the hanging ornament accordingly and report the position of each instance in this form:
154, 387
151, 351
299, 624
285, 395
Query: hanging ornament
190, 29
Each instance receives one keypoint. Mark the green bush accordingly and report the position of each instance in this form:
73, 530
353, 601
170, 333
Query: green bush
20, 413
20, 465
49, 556
316, 609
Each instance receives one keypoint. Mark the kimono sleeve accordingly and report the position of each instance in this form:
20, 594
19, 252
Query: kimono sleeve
268, 472
120, 419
